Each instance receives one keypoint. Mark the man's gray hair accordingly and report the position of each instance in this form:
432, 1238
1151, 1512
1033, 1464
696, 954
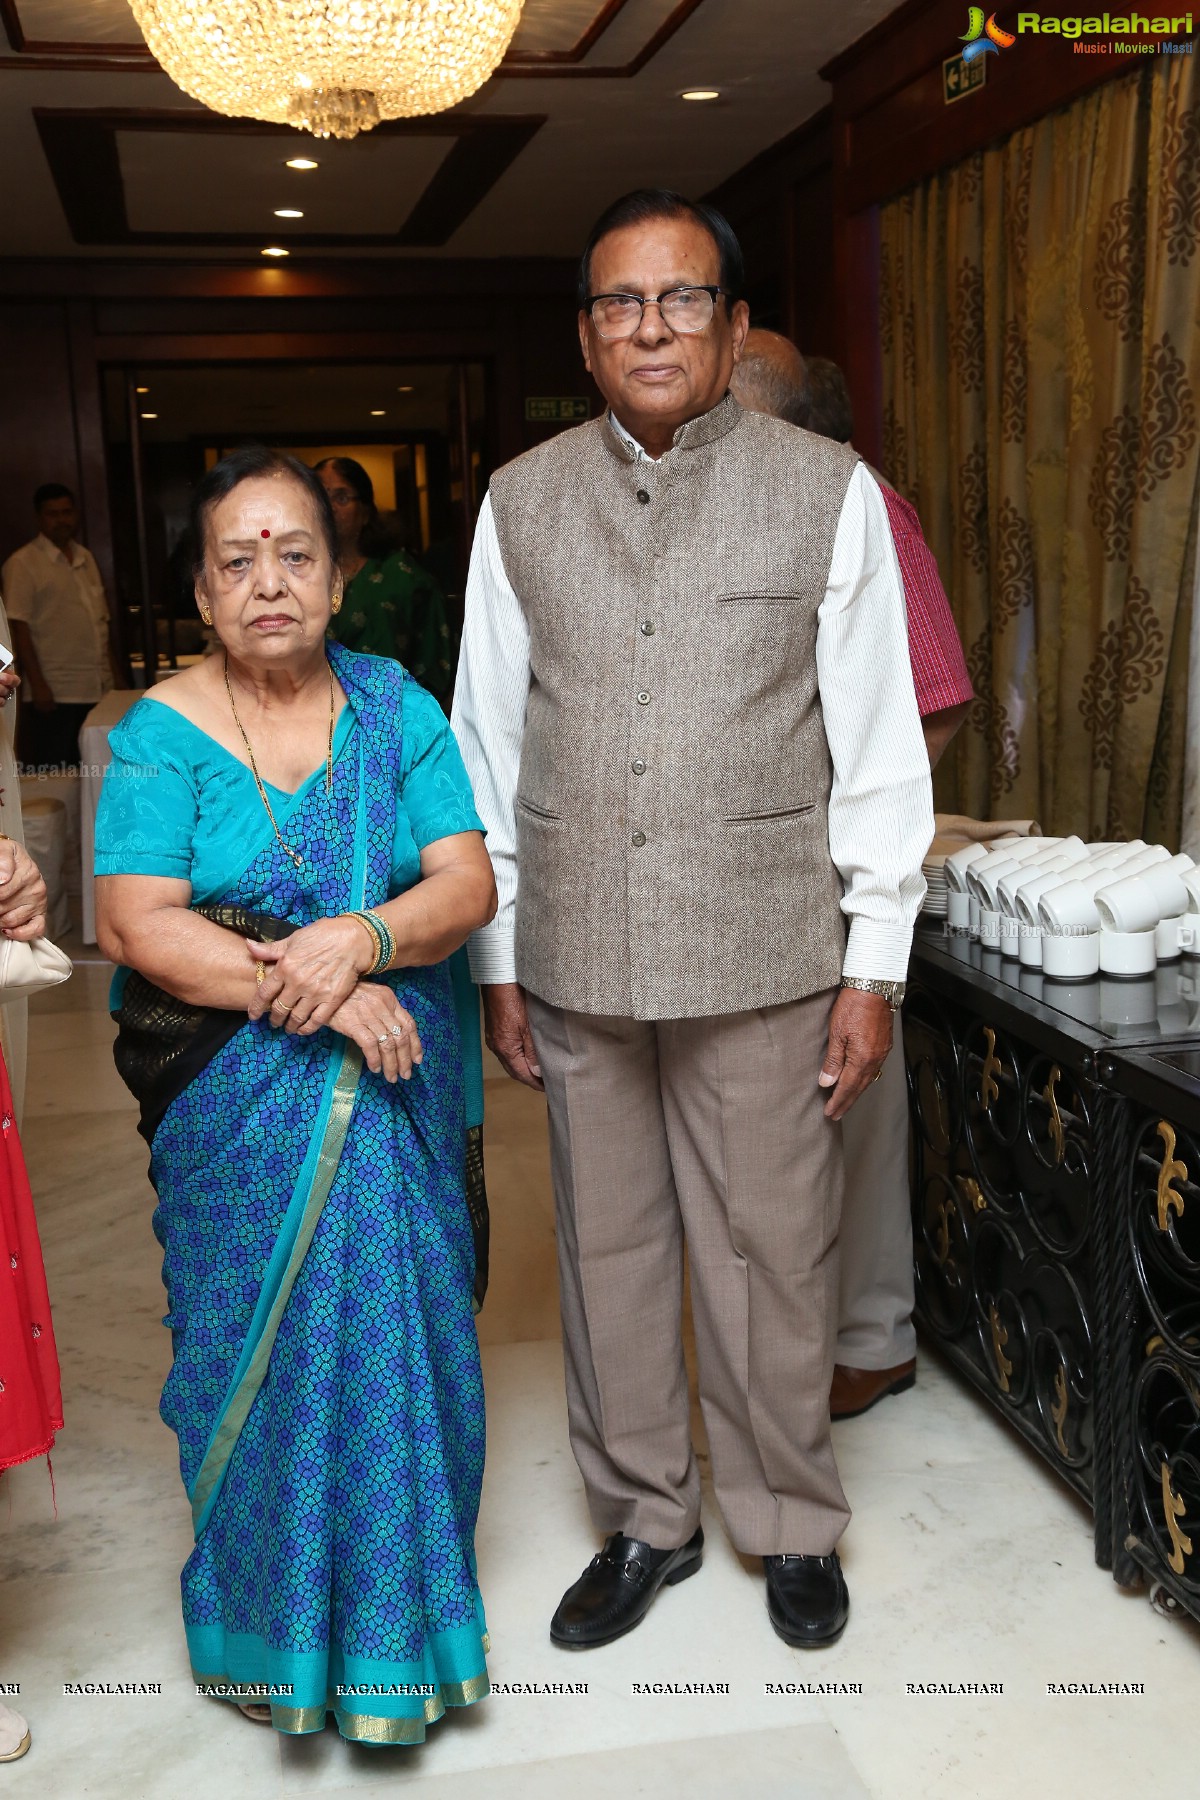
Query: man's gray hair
771, 377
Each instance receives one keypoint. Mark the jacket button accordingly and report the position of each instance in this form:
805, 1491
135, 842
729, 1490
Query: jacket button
638, 838
647, 627
643, 698
643, 497
639, 767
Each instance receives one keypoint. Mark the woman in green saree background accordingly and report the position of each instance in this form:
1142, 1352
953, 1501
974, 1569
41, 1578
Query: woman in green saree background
287, 852
392, 606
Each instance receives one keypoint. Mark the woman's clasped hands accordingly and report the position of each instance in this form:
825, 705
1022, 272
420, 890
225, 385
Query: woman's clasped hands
22, 894
314, 978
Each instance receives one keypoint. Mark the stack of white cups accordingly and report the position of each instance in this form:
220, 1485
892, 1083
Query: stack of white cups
1073, 909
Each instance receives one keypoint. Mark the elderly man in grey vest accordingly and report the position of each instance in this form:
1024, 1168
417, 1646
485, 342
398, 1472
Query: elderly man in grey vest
685, 706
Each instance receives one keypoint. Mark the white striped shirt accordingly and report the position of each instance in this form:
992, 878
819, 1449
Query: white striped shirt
881, 804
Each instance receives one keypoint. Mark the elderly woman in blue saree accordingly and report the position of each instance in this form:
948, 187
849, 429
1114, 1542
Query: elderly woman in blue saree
287, 854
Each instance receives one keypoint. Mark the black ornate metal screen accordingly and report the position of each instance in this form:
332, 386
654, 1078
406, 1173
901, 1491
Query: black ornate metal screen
1157, 1449
1003, 1226
1056, 1230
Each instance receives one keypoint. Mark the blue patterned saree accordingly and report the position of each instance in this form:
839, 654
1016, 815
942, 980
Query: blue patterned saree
318, 1258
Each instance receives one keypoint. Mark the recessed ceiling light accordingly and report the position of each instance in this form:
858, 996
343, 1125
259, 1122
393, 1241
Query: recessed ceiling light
287, 212
404, 390
377, 412
142, 390
149, 415
700, 94
301, 162
274, 250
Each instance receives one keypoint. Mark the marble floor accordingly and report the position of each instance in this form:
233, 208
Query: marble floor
967, 1561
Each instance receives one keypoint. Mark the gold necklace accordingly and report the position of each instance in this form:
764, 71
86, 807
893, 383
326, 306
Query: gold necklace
262, 792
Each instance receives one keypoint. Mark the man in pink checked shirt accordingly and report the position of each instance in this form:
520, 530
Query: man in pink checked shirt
876, 1343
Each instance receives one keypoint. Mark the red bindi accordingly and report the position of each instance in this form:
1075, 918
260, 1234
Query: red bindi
264, 532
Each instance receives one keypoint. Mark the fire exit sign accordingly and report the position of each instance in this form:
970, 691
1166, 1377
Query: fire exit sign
557, 409
961, 78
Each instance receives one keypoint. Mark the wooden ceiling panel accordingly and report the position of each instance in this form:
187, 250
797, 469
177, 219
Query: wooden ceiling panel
216, 182
610, 120
453, 161
552, 35
50, 27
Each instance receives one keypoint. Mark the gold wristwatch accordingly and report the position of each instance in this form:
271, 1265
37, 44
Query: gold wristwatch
891, 991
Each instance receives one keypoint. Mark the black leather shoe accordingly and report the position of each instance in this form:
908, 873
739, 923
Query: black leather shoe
807, 1599
615, 1590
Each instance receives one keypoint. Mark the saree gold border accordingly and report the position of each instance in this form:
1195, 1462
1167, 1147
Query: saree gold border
367, 1728
466, 1693
220, 1449
299, 1719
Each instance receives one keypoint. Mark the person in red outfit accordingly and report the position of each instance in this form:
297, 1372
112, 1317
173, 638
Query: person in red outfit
876, 1345
30, 1388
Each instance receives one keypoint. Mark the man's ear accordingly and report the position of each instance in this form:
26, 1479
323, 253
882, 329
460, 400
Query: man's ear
584, 341
739, 325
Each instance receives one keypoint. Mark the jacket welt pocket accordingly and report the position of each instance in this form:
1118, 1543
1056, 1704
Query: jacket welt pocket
759, 818
537, 812
758, 597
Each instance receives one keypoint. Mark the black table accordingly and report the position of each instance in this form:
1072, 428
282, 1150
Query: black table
1044, 1115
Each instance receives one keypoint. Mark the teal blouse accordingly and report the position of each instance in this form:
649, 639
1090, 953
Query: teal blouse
176, 803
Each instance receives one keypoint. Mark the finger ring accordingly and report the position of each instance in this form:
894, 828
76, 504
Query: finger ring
397, 1031
878, 1075
383, 1039
260, 973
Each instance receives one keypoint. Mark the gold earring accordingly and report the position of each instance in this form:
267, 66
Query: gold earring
206, 615
337, 601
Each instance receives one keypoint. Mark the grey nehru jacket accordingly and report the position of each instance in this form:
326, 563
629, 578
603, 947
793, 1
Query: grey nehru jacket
672, 840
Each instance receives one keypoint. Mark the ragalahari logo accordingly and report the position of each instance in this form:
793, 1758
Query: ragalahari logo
984, 36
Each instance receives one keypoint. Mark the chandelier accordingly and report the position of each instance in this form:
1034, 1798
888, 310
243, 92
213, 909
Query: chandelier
330, 67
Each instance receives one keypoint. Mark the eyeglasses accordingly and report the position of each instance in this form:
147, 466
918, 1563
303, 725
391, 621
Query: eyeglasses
683, 309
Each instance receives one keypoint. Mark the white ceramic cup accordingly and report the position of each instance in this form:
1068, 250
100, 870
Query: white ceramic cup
1011, 886
1074, 957
1137, 903
1168, 938
957, 864
983, 877
1128, 953
958, 910
1026, 896
1070, 908
1189, 928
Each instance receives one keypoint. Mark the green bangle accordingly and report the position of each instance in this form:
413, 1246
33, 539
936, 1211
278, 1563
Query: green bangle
385, 943
388, 945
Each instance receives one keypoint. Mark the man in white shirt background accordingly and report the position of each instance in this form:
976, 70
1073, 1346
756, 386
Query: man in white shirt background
685, 705
59, 617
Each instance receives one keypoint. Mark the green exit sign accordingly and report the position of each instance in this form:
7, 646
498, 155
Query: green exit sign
961, 78
557, 409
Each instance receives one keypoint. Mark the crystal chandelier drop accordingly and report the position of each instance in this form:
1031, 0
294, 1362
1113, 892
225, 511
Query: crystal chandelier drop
331, 67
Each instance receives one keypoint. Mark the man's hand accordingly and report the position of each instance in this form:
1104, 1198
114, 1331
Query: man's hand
507, 1034
860, 1036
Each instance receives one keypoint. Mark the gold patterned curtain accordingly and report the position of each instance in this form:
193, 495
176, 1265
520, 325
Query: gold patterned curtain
1040, 308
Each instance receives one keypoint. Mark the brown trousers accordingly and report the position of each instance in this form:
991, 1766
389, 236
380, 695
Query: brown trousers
712, 1130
